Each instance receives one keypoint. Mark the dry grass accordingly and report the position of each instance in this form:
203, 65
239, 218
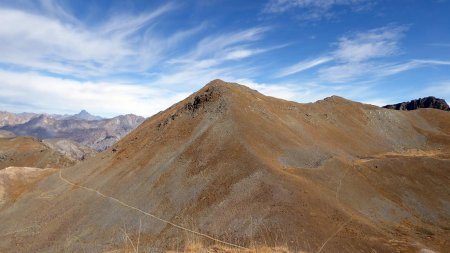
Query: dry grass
193, 244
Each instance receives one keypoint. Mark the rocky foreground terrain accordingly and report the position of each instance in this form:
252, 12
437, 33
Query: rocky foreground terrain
84, 129
231, 170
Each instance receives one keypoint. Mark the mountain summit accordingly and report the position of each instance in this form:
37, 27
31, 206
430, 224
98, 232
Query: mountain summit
230, 166
84, 115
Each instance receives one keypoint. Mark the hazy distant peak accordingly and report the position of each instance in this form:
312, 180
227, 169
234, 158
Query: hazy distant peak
84, 115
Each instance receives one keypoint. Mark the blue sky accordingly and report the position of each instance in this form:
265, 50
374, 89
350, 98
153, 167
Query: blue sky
116, 57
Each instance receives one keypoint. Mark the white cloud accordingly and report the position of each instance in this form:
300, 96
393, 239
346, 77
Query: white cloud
216, 49
344, 72
352, 71
378, 102
51, 94
62, 46
375, 43
124, 44
209, 59
362, 56
305, 92
242, 53
304, 65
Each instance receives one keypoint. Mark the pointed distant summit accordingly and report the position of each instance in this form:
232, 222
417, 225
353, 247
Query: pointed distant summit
84, 115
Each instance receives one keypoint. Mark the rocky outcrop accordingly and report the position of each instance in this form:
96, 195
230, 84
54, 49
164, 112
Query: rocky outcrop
427, 102
70, 148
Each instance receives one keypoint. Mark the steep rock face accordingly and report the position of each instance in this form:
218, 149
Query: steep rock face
427, 102
70, 148
330, 176
96, 134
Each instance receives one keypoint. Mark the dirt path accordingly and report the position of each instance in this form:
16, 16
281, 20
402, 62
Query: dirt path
150, 215
338, 189
404, 153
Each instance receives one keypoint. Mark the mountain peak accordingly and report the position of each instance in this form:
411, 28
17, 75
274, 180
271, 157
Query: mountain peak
223, 87
84, 115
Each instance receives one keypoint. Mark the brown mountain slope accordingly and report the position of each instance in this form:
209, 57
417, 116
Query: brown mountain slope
28, 151
230, 163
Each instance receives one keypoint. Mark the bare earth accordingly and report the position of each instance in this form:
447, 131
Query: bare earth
30, 152
228, 169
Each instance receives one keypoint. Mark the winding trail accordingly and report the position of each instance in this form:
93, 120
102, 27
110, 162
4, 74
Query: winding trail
338, 189
151, 215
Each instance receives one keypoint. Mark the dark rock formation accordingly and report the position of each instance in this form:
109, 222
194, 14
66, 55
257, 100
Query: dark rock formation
427, 102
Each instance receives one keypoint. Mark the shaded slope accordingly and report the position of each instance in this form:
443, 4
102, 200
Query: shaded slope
246, 168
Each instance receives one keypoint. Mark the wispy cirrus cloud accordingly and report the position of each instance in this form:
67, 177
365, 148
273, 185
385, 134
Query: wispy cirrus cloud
315, 10
65, 48
362, 55
226, 46
352, 52
211, 56
304, 65
372, 44
122, 44
145, 59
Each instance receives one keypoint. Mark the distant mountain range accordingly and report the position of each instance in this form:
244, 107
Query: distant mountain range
82, 115
8, 118
92, 131
427, 102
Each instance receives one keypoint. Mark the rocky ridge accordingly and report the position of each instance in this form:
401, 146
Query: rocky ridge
426, 102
